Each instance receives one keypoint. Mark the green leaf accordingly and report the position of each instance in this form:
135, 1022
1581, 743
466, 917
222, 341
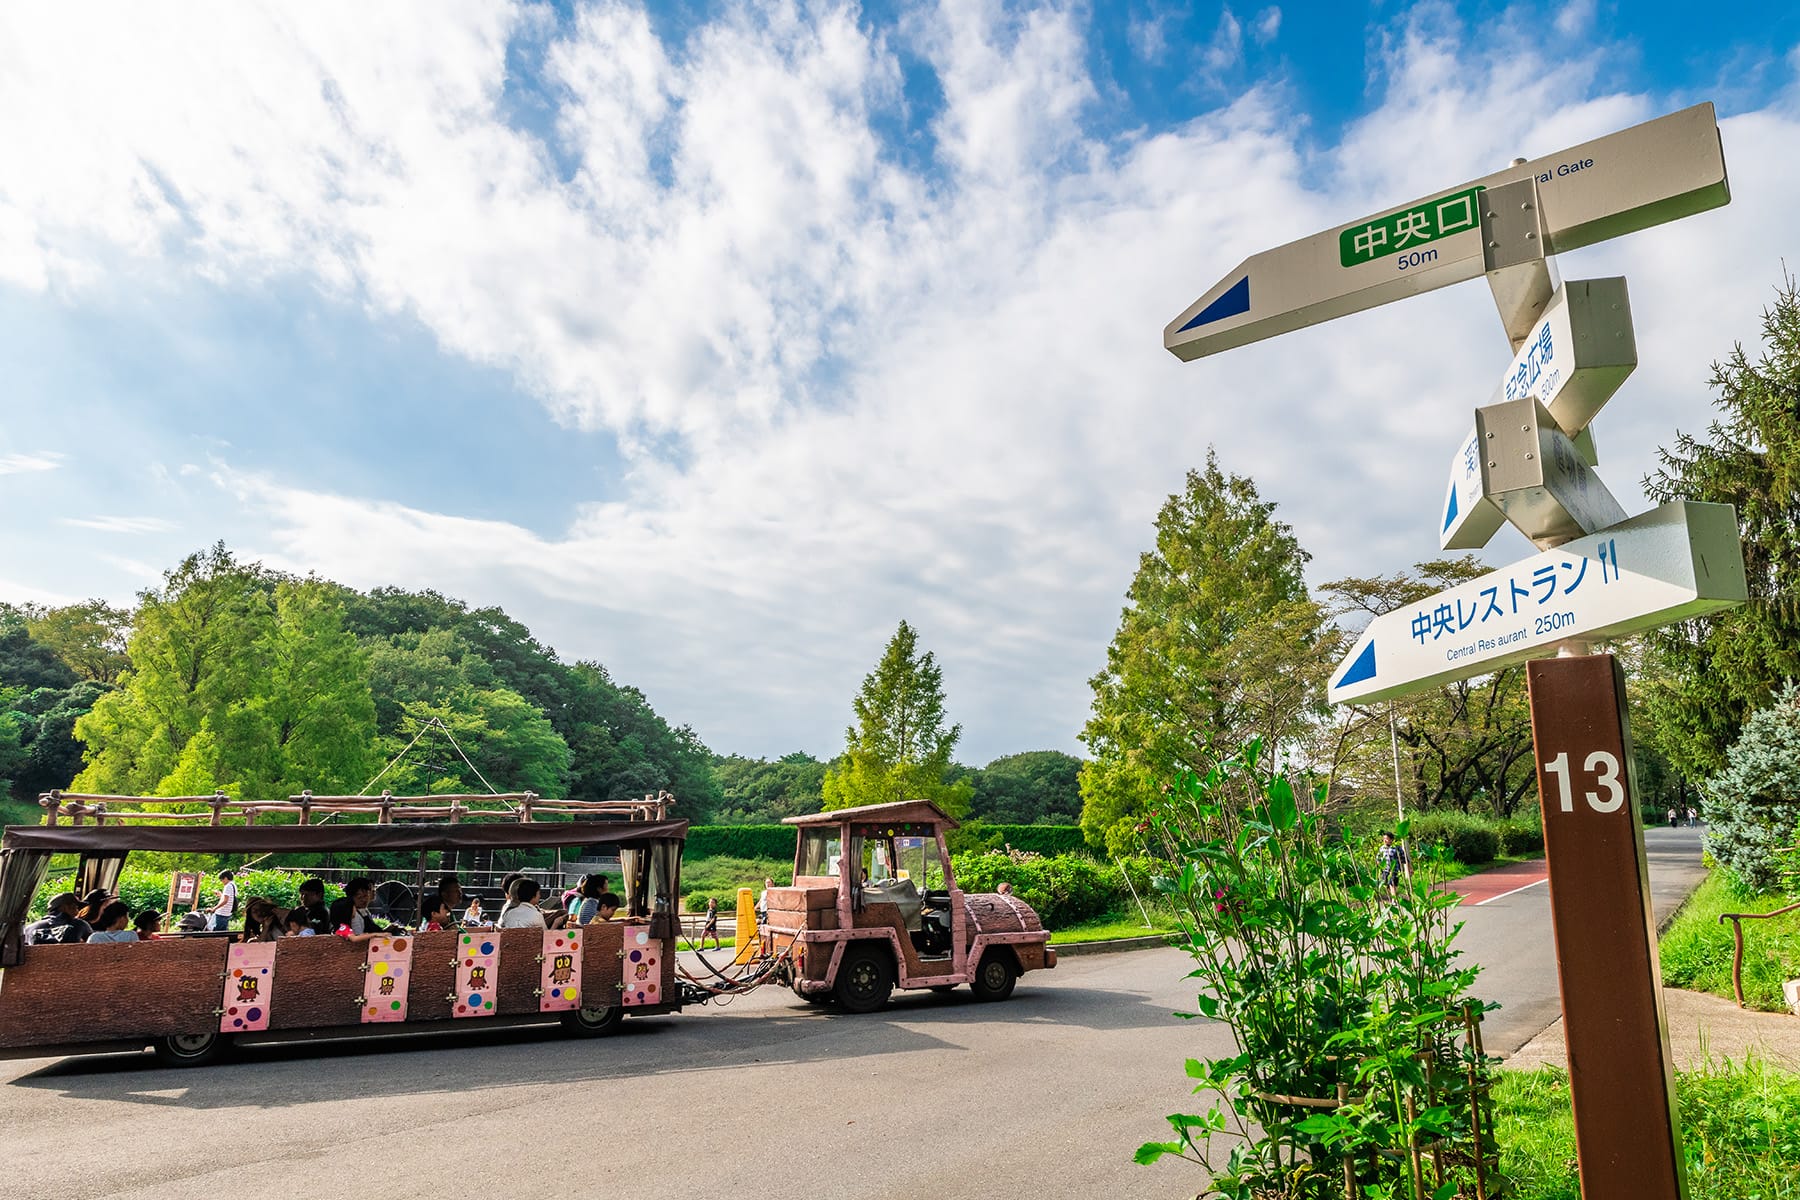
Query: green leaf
1149, 1152
1283, 812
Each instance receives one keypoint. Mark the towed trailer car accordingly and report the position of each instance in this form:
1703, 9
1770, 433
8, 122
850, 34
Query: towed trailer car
191, 997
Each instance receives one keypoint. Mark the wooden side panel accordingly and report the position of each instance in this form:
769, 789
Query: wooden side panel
63, 994
989, 913
434, 976
884, 915
600, 962
802, 908
318, 982
1031, 958
519, 970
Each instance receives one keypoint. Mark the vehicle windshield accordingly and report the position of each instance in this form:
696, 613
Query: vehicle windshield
821, 851
917, 859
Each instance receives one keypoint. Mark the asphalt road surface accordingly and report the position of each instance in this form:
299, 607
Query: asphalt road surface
1045, 1095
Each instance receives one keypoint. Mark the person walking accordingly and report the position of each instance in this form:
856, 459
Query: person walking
226, 907
1674, 817
711, 928
1391, 857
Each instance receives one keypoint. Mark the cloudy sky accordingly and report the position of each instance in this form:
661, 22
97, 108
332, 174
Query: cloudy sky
711, 340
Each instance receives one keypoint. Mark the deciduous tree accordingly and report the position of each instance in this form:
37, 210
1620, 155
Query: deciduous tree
901, 745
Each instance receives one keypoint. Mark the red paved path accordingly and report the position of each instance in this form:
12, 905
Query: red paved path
1491, 885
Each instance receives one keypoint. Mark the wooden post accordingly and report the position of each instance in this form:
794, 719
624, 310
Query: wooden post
306, 807
387, 809
1627, 1137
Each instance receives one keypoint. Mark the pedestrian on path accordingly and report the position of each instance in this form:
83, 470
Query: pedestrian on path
711, 928
1693, 817
1391, 856
1674, 817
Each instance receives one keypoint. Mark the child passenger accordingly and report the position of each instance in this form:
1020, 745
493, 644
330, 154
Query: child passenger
148, 925
436, 912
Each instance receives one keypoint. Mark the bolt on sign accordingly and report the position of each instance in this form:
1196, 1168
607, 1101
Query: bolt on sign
1597, 575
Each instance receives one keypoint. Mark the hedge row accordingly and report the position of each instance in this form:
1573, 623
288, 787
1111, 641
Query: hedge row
141, 888
1048, 840
1475, 840
740, 841
1064, 889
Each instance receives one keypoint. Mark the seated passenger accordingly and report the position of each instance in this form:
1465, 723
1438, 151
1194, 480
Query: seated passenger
61, 927
520, 910
472, 914
93, 904
608, 904
311, 911
435, 913
350, 912
449, 888
148, 925
587, 904
294, 925
111, 922
262, 922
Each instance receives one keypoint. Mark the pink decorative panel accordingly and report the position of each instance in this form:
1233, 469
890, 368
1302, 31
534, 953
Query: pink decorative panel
642, 968
388, 978
477, 973
249, 982
560, 987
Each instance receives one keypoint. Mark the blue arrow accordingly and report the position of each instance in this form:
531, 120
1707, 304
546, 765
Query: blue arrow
1451, 515
1363, 668
1234, 300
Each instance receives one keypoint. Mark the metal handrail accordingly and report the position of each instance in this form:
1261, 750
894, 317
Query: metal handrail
1737, 935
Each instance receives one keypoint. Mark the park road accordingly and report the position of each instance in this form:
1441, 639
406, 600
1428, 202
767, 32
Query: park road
1045, 1095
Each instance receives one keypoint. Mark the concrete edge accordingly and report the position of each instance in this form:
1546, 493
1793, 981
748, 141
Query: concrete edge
1068, 949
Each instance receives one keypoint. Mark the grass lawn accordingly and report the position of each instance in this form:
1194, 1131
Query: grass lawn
721, 878
1696, 949
1741, 1133
1118, 923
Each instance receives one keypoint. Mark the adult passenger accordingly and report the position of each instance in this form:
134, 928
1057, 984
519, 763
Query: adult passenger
93, 904
262, 923
449, 890
472, 914
520, 910
351, 910
111, 925
148, 925
226, 907
312, 911
60, 926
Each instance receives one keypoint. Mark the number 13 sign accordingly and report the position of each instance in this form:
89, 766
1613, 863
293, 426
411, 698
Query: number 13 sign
1625, 1129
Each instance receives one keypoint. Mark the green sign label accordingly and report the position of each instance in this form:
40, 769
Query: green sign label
1410, 227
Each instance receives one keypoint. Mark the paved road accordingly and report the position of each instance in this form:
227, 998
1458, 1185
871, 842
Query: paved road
1046, 1095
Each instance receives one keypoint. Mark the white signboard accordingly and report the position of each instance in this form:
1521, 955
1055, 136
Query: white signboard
1575, 358
1671, 167
1674, 562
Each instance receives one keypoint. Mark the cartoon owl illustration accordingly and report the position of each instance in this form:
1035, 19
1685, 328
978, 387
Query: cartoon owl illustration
477, 978
562, 968
387, 985
643, 970
247, 988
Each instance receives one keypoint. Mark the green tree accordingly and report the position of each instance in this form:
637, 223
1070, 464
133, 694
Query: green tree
509, 743
1035, 787
1218, 644
1704, 677
759, 790
1753, 804
901, 744
89, 637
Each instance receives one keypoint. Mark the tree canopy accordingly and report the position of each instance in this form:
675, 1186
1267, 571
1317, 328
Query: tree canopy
1218, 644
901, 745
1704, 677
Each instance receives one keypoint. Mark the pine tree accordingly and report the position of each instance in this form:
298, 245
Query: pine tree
1706, 676
1753, 805
901, 745
1218, 644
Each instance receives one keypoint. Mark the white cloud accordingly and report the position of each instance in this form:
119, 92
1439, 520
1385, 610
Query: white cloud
132, 525
1575, 18
1268, 25
1226, 49
25, 464
850, 388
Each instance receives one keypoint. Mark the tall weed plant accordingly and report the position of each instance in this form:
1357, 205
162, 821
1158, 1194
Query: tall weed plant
1326, 979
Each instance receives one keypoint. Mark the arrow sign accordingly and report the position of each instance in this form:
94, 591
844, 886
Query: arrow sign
1659, 171
1572, 362
1674, 562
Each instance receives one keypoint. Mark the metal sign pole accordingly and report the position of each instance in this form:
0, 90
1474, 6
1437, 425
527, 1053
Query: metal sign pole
1627, 1138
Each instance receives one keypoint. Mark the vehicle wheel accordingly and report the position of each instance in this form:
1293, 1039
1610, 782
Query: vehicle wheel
865, 979
189, 1049
995, 977
593, 1022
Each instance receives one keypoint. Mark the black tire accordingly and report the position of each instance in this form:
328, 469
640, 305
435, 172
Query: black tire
813, 997
190, 1049
593, 1022
865, 979
995, 977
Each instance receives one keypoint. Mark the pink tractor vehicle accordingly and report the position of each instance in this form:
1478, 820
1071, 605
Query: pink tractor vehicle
874, 906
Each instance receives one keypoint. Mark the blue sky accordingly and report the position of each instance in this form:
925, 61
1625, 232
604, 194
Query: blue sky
712, 340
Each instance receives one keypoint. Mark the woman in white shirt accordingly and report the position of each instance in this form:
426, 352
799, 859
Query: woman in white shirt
520, 910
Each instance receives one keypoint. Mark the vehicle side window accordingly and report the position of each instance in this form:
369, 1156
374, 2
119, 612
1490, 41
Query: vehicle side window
820, 852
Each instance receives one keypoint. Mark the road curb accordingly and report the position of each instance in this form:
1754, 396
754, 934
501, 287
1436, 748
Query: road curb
1068, 949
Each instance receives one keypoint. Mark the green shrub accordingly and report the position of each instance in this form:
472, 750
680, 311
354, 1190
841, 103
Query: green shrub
740, 841
1753, 805
142, 888
1522, 836
1468, 839
1048, 840
1064, 889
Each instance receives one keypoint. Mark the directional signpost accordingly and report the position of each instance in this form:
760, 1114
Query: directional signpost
1527, 461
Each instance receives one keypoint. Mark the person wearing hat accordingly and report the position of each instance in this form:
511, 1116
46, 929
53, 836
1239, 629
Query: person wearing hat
60, 927
92, 905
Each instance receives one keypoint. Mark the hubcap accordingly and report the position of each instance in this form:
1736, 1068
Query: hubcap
994, 975
863, 976
191, 1043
